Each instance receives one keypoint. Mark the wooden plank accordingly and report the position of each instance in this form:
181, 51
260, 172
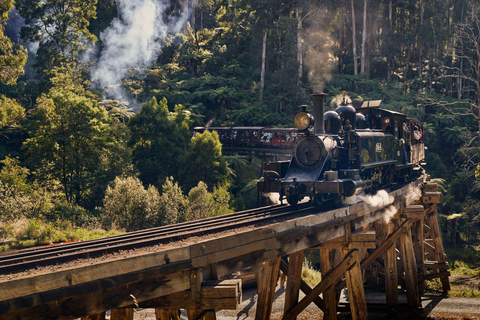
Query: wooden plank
329, 279
77, 306
434, 276
294, 278
329, 295
122, 314
142, 265
267, 282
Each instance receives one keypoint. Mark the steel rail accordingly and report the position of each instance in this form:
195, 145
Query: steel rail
135, 240
134, 234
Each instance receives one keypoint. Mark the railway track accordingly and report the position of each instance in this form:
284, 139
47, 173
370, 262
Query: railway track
45, 256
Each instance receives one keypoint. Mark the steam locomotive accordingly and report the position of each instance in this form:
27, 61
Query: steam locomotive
343, 152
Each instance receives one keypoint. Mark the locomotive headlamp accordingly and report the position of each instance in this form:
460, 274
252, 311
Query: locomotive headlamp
303, 120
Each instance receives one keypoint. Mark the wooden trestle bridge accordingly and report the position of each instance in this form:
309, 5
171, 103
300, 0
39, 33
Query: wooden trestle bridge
179, 267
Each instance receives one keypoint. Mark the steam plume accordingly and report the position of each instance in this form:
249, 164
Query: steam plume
319, 58
133, 40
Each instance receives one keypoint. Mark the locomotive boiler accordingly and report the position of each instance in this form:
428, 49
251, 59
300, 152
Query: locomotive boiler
343, 152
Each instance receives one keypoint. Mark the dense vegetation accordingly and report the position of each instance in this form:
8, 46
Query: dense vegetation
95, 126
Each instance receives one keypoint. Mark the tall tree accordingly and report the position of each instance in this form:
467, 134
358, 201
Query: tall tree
364, 37
59, 26
70, 135
354, 40
159, 139
12, 60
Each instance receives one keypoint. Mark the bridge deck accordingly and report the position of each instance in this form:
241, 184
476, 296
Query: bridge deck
124, 279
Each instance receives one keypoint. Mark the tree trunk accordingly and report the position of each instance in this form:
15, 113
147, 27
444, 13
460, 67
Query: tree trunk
262, 75
364, 36
419, 43
299, 45
354, 41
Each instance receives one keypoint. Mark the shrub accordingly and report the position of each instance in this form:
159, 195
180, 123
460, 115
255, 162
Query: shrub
127, 204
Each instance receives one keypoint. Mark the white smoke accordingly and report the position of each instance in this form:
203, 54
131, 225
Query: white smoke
133, 40
413, 193
274, 197
379, 200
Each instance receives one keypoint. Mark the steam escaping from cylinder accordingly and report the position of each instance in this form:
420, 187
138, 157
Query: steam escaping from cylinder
413, 193
134, 40
379, 200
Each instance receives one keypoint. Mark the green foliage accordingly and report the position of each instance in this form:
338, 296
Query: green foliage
128, 205
203, 161
158, 139
71, 133
173, 204
60, 27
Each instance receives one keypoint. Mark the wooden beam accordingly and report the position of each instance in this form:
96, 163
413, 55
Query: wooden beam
306, 289
98, 316
434, 276
414, 212
430, 187
329, 279
431, 198
267, 282
167, 314
122, 314
356, 293
294, 278
100, 276
387, 243
419, 249
200, 315
390, 264
433, 265
329, 295
439, 252
410, 267
77, 306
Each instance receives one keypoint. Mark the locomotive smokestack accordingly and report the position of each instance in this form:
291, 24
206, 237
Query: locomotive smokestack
318, 112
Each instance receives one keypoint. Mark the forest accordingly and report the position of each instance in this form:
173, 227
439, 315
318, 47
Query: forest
98, 99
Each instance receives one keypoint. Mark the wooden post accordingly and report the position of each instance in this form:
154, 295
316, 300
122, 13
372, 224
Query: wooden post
439, 252
329, 295
167, 314
410, 267
356, 293
419, 233
294, 278
98, 316
267, 281
201, 315
121, 314
391, 276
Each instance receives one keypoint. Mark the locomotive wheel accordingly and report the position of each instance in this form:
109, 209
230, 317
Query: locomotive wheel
317, 200
292, 200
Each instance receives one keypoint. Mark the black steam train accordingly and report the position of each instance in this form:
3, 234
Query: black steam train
346, 151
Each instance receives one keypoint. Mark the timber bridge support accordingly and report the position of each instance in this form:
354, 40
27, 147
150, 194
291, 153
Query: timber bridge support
399, 238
